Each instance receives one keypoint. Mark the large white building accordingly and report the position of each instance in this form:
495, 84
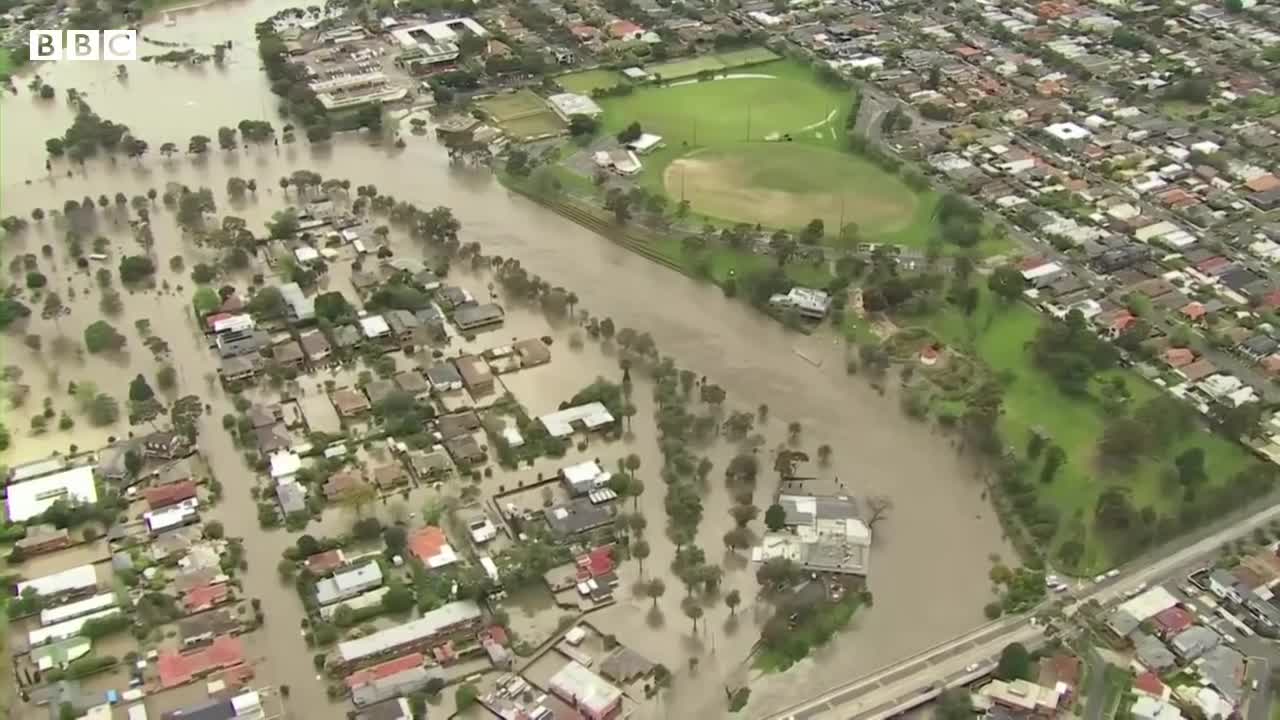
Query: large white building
823, 534
31, 498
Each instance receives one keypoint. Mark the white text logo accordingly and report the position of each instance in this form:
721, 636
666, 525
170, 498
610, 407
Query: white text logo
104, 45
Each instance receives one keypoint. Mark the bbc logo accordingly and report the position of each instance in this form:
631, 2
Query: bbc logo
104, 45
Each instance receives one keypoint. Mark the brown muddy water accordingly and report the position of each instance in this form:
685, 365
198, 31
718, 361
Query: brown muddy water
931, 556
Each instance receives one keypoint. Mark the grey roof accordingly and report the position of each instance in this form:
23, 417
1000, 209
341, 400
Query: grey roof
393, 709
443, 374
301, 306
1194, 642
1223, 668
214, 622
472, 316
401, 683
576, 516
212, 710
1152, 653
1122, 623
442, 619
292, 499
825, 507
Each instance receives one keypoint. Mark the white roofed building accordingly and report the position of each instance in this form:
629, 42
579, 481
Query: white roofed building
566, 105
29, 499
592, 415
75, 580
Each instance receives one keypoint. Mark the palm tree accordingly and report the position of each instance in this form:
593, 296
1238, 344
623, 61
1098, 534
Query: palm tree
284, 185
37, 214
793, 431
762, 412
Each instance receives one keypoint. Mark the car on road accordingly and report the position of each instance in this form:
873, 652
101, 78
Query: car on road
482, 531
1115, 572
972, 667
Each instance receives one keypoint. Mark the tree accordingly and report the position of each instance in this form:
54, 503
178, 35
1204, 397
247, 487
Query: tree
227, 138
198, 145
640, 551
630, 133
813, 232
954, 704
775, 518
283, 224
103, 410
732, 600
1015, 663
744, 514
582, 125
136, 268
395, 538
334, 307
1007, 282
466, 696
102, 337
655, 589
139, 390
398, 598
878, 507
693, 611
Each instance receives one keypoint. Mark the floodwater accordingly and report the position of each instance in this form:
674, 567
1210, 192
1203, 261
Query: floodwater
930, 560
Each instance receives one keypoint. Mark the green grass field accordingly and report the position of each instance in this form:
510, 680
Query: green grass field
522, 114
998, 335
688, 67
587, 80
769, 150
6, 62
513, 105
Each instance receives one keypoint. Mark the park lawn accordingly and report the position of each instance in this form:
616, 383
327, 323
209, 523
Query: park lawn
999, 334
769, 150
727, 262
585, 81
512, 105
688, 67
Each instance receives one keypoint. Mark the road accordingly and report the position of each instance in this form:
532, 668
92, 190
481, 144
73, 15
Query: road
878, 695
1257, 699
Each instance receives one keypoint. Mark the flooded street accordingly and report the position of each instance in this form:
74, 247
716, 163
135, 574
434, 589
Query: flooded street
930, 561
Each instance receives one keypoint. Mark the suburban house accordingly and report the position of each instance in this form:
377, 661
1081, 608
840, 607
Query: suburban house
315, 346
475, 374
348, 583
591, 695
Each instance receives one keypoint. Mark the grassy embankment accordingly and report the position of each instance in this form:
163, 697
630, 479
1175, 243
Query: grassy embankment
999, 335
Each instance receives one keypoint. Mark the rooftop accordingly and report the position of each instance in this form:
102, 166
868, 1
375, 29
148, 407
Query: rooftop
429, 625
29, 499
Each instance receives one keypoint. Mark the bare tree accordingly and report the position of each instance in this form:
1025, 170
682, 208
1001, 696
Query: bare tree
878, 507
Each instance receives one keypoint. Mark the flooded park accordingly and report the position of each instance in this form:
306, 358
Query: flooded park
931, 555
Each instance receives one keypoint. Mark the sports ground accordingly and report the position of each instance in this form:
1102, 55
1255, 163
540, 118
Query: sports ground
522, 114
765, 144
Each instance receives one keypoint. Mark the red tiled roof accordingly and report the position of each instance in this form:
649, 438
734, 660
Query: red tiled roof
425, 543
622, 28
1210, 266
1174, 620
1179, 357
1263, 183
204, 597
324, 562
1271, 364
180, 668
165, 495
386, 669
1194, 310
495, 633
595, 563
1271, 299
1149, 682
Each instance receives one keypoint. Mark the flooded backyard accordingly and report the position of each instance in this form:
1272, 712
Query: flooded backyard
930, 556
